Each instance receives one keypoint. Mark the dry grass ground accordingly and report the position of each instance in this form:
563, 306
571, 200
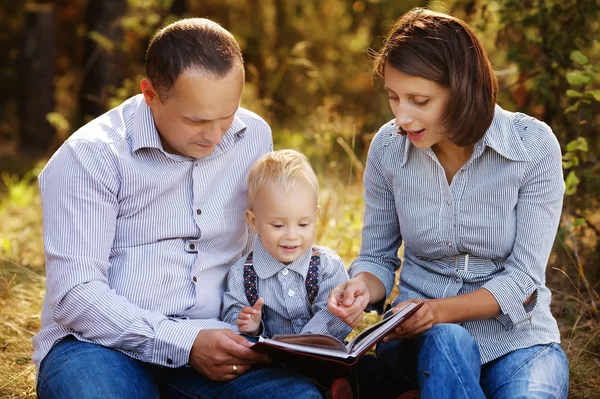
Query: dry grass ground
22, 287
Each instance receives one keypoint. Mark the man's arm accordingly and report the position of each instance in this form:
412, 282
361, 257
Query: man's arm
79, 188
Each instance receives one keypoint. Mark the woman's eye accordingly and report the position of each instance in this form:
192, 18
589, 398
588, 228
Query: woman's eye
422, 103
393, 98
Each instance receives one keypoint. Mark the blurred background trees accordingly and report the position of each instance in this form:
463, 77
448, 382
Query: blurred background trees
308, 74
64, 62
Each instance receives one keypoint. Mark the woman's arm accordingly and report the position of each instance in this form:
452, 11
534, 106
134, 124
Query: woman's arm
513, 291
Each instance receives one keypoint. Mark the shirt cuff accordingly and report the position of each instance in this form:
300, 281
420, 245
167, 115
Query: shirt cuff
173, 343
510, 298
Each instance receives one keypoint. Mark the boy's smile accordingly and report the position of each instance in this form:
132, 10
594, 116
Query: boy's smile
285, 221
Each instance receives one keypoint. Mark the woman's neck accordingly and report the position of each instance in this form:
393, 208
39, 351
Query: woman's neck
451, 156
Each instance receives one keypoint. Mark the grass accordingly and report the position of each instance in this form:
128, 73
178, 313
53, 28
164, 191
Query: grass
22, 284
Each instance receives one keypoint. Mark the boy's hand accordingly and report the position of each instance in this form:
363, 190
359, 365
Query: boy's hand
248, 320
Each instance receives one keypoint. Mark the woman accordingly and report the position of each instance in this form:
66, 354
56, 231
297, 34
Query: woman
475, 194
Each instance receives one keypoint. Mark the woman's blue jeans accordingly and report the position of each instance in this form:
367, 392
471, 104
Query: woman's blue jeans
444, 362
80, 370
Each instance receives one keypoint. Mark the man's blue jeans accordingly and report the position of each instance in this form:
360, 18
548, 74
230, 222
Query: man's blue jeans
79, 370
444, 362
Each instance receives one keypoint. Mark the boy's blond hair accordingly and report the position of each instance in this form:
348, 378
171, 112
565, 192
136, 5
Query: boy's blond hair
282, 169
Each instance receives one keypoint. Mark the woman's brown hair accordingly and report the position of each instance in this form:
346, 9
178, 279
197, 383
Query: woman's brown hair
444, 49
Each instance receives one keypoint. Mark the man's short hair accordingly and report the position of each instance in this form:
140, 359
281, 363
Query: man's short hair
193, 43
444, 49
280, 169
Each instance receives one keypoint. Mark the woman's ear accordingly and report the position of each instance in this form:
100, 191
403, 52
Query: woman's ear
251, 218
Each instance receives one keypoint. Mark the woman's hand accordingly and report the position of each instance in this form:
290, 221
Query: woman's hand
421, 321
348, 300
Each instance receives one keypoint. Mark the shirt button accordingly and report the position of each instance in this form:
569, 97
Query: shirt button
169, 361
291, 293
285, 272
449, 244
192, 246
448, 203
198, 211
458, 279
195, 279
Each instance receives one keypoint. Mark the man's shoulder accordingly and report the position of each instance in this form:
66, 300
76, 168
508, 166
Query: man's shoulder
253, 121
113, 126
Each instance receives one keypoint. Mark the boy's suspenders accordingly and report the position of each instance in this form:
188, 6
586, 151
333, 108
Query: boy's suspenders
312, 278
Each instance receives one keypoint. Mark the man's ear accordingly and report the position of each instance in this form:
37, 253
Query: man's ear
150, 94
251, 218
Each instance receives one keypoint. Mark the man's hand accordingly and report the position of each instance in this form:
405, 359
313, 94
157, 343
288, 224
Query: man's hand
421, 321
348, 301
216, 352
248, 320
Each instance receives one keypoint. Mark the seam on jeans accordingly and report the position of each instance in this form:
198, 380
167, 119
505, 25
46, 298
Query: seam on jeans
545, 347
189, 393
564, 390
451, 362
536, 354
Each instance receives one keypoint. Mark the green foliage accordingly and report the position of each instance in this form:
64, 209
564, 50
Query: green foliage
574, 150
21, 191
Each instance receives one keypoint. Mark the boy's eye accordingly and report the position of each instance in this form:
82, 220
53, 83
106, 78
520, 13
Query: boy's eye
303, 224
277, 226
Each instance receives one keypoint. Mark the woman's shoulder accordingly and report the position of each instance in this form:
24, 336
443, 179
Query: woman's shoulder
536, 137
387, 136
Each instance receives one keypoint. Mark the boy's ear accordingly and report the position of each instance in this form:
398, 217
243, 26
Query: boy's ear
251, 218
318, 209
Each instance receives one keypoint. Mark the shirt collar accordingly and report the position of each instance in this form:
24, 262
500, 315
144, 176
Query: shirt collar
501, 136
145, 135
266, 266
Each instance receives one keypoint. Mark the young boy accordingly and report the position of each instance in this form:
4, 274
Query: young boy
283, 286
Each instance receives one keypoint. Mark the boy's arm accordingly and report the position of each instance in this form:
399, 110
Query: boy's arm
235, 298
332, 272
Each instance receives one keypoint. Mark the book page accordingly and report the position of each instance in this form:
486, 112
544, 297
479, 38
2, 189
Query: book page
366, 338
316, 340
304, 348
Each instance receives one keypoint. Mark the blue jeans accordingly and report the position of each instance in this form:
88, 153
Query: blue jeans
80, 370
444, 362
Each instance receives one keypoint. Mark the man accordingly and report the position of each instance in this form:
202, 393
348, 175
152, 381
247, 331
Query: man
143, 213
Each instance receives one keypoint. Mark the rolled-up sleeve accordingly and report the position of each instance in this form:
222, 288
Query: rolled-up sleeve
381, 231
538, 214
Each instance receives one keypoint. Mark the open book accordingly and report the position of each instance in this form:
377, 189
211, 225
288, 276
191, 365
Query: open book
292, 347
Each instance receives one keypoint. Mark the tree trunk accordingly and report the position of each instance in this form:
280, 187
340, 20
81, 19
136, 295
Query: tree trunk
36, 86
104, 59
